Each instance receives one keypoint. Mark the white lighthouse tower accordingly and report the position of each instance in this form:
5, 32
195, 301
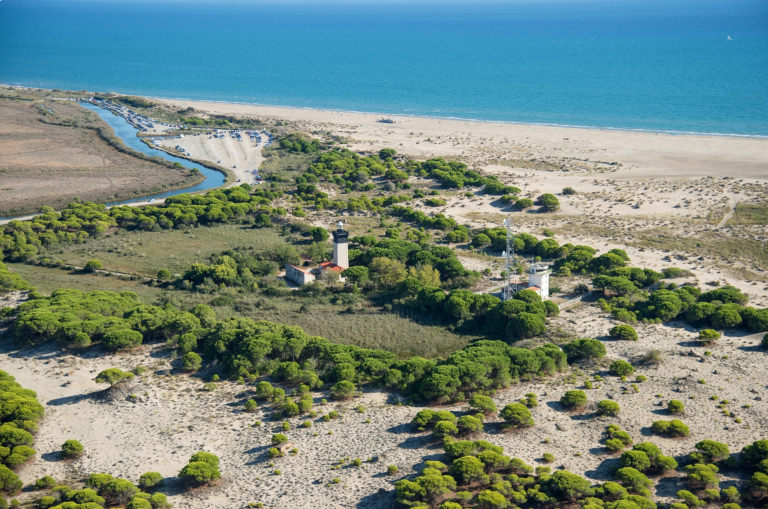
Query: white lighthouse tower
340, 248
538, 277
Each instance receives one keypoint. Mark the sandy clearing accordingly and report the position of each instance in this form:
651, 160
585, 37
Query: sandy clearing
242, 156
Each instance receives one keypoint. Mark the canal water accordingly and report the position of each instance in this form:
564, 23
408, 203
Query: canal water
127, 133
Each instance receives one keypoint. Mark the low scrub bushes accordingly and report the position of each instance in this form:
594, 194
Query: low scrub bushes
72, 449
574, 400
608, 407
203, 468
672, 428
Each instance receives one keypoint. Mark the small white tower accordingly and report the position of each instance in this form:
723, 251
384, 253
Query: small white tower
538, 275
340, 249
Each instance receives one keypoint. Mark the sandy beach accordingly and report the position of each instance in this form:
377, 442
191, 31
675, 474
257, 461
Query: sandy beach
641, 154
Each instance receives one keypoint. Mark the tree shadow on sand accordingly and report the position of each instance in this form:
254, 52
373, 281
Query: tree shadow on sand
381, 499
605, 470
72, 400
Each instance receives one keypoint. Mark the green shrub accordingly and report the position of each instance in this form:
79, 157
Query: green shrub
621, 368
164, 274
467, 469
567, 486
423, 418
548, 202
636, 459
623, 331
71, 449
251, 406
634, 480
44, 502
690, 499
702, 476
9, 481
279, 438
45, 482
264, 390
290, 408
574, 399
516, 415
608, 407
483, 403
84, 496
149, 480
730, 494
584, 349
445, 428
93, 265
675, 407
139, 503
710, 451
469, 424
113, 376
392, 470
343, 390
489, 499
548, 457
203, 468
121, 339
118, 491
673, 428
159, 501
708, 336
191, 362
754, 453
531, 400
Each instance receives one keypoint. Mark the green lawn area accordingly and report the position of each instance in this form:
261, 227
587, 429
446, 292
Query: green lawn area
144, 253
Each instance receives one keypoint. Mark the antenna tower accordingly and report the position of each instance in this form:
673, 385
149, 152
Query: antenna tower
508, 255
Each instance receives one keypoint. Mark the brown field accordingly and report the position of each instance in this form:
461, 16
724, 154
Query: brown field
51, 153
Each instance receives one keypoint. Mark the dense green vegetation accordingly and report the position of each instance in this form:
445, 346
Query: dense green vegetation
721, 308
251, 350
478, 474
24, 240
10, 280
19, 414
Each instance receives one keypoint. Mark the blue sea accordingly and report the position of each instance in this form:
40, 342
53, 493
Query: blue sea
666, 65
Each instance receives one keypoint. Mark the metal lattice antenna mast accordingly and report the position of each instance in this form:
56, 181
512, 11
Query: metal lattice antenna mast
508, 255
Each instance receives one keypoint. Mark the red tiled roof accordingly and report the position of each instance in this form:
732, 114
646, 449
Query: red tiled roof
534, 288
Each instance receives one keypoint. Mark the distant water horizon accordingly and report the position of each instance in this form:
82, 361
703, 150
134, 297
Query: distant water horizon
683, 66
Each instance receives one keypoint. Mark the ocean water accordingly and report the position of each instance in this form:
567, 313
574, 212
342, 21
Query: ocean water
675, 65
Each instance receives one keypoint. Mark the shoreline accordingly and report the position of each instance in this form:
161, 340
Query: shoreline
671, 132
458, 119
